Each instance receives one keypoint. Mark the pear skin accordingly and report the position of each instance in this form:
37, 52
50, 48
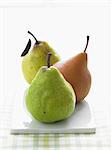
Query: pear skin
50, 97
76, 72
32, 61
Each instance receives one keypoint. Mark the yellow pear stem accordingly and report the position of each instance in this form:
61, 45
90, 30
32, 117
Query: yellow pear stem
37, 42
48, 59
86, 44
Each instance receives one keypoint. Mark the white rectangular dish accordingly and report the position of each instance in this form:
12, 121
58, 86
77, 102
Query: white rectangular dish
81, 121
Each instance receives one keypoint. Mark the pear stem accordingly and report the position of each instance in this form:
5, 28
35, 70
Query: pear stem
48, 59
86, 44
37, 42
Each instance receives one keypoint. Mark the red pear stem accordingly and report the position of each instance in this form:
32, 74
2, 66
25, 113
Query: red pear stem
48, 59
86, 44
37, 42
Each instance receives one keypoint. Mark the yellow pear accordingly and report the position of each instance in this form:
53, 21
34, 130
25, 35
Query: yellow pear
36, 58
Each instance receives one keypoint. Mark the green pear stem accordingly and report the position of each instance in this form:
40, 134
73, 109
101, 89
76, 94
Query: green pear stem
86, 44
37, 42
48, 59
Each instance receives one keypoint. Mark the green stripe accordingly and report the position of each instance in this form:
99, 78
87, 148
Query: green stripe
25, 140
66, 139
56, 140
35, 142
46, 141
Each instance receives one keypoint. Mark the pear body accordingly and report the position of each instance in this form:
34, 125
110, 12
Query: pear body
76, 72
35, 59
50, 97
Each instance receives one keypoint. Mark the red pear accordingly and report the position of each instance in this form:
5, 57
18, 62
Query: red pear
76, 72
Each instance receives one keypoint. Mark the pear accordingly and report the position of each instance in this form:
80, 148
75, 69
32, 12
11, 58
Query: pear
75, 71
36, 58
50, 97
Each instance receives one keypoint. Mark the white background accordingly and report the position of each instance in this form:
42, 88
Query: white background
65, 27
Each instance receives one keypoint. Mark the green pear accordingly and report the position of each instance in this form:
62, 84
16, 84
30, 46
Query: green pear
50, 97
36, 58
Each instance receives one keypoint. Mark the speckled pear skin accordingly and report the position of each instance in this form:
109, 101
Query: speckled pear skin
75, 71
35, 59
50, 97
